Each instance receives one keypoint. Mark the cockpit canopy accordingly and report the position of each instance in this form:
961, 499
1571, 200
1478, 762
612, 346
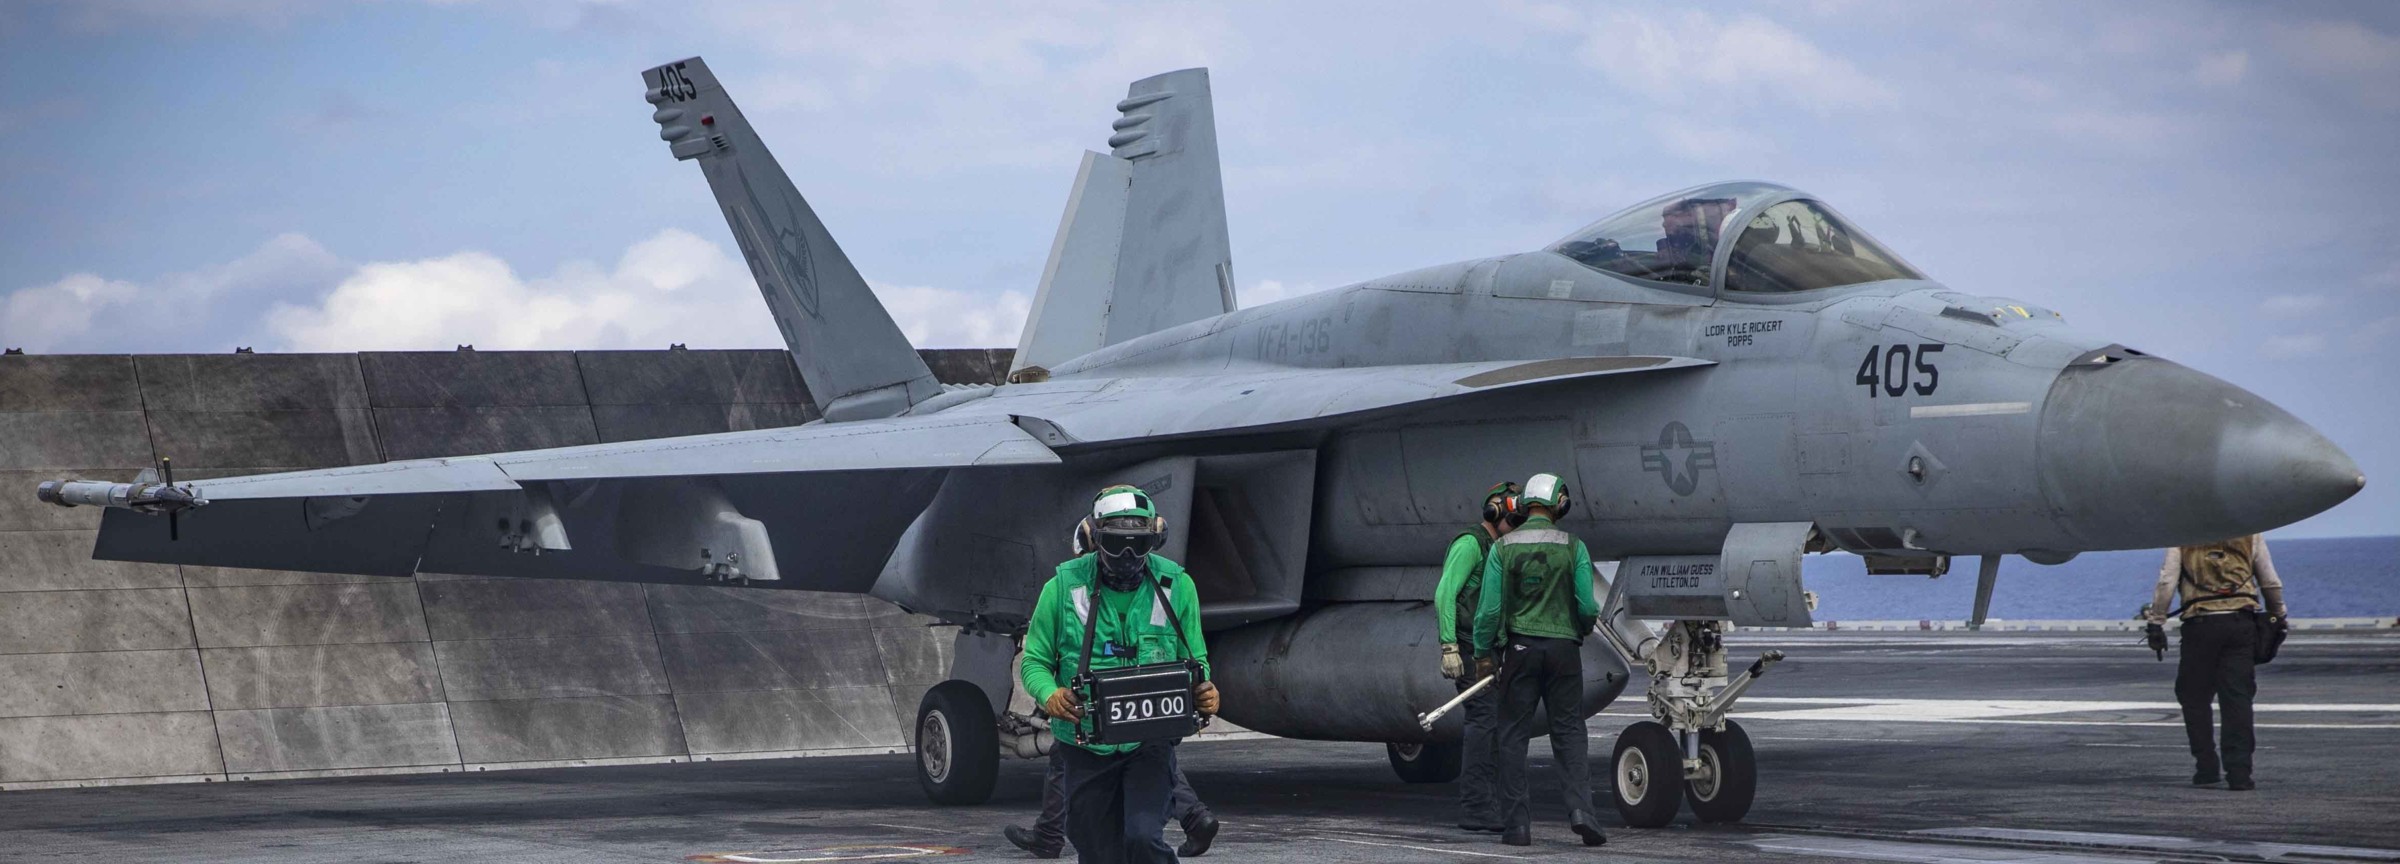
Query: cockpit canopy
1782, 241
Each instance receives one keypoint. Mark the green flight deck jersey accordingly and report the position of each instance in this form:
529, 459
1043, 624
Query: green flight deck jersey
1456, 596
1537, 581
1132, 630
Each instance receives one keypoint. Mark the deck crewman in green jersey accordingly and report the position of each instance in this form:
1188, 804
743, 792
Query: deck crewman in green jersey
1117, 794
1454, 601
1537, 606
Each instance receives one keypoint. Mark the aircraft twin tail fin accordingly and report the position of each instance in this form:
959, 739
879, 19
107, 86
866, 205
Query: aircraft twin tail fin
1142, 246
856, 362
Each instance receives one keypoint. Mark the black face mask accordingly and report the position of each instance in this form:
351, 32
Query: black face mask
1124, 560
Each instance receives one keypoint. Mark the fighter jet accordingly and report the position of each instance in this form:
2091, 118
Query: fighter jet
1730, 377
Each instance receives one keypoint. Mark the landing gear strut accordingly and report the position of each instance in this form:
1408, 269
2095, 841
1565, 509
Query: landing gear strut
1690, 752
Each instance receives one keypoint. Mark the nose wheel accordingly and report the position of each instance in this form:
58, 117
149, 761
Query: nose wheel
1721, 788
1647, 775
1691, 753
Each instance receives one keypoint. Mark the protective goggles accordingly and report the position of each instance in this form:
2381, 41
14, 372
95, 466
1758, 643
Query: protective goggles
1122, 544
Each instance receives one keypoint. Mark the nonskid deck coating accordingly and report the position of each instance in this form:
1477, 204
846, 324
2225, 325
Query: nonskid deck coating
1880, 788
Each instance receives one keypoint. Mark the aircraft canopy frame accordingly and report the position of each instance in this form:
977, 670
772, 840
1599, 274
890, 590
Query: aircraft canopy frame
1808, 245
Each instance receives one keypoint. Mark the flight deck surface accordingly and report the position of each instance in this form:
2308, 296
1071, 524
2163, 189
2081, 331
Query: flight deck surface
2048, 748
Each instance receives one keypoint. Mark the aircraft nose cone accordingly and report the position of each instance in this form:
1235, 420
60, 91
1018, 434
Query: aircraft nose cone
2142, 453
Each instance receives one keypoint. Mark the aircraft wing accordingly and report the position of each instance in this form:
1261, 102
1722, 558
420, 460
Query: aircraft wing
815, 506
1086, 412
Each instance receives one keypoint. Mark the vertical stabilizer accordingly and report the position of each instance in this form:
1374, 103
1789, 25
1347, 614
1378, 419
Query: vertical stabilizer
1143, 245
856, 362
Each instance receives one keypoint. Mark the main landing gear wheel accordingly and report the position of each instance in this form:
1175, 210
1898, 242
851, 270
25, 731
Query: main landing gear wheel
1728, 777
958, 744
1425, 763
1646, 775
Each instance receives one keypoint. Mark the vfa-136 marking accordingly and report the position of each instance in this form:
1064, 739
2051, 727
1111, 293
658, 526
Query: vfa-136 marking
1733, 375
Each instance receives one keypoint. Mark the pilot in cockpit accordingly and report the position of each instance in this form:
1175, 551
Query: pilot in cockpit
1689, 233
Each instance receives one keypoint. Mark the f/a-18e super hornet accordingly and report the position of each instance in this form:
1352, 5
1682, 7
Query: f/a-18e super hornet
1732, 376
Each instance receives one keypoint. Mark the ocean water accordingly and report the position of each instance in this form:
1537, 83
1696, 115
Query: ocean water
2342, 577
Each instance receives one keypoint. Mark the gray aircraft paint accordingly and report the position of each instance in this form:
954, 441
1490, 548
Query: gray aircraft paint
1316, 455
1143, 245
855, 360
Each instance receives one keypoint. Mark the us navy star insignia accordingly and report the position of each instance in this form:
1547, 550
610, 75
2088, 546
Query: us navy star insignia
1677, 459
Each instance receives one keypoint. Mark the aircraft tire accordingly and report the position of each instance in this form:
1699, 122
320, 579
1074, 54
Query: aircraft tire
1729, 780
1425, 763
1645, 775
957, 744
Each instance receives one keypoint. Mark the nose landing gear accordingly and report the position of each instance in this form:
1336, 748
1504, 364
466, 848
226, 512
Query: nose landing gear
1690, 752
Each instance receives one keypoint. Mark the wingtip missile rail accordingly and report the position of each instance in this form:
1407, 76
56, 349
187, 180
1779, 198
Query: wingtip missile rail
151, 498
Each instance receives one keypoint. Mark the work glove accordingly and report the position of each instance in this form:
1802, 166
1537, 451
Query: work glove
1485, 666
2156, 636
1452, 665
1206, 693
1063, 705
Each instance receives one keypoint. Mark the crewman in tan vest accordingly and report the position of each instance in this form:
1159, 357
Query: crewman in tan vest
2221, 585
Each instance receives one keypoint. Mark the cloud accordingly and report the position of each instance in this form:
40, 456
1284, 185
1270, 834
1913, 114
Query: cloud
1268, 291
2375, 334
292, 295
1708, 141
102, 16
47, 316
1693, 57
210, 309
2218, 70
944, 318
672, 287
2292, 346
2389, 277
2366, 59
2293, 305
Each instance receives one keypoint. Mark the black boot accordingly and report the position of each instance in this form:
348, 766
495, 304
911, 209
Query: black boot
1030, 842
2205, 773
1197, 834
2240, 783
1584, 827
1517, 835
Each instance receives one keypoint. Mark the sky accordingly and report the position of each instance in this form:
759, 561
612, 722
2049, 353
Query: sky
2212, 183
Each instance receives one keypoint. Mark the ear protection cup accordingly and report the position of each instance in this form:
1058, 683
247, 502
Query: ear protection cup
1496, 502
1084, 541
1516, 513
1158, 526
1566, 500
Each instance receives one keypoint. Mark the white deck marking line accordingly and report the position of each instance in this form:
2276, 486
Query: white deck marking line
1831, 738
1999, 721
1861, 849
1428, 849
2061, 706
916, 828
2155, 746
1971, 409
841, 855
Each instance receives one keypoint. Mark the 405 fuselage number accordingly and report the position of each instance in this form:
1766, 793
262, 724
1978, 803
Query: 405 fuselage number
1895, 370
